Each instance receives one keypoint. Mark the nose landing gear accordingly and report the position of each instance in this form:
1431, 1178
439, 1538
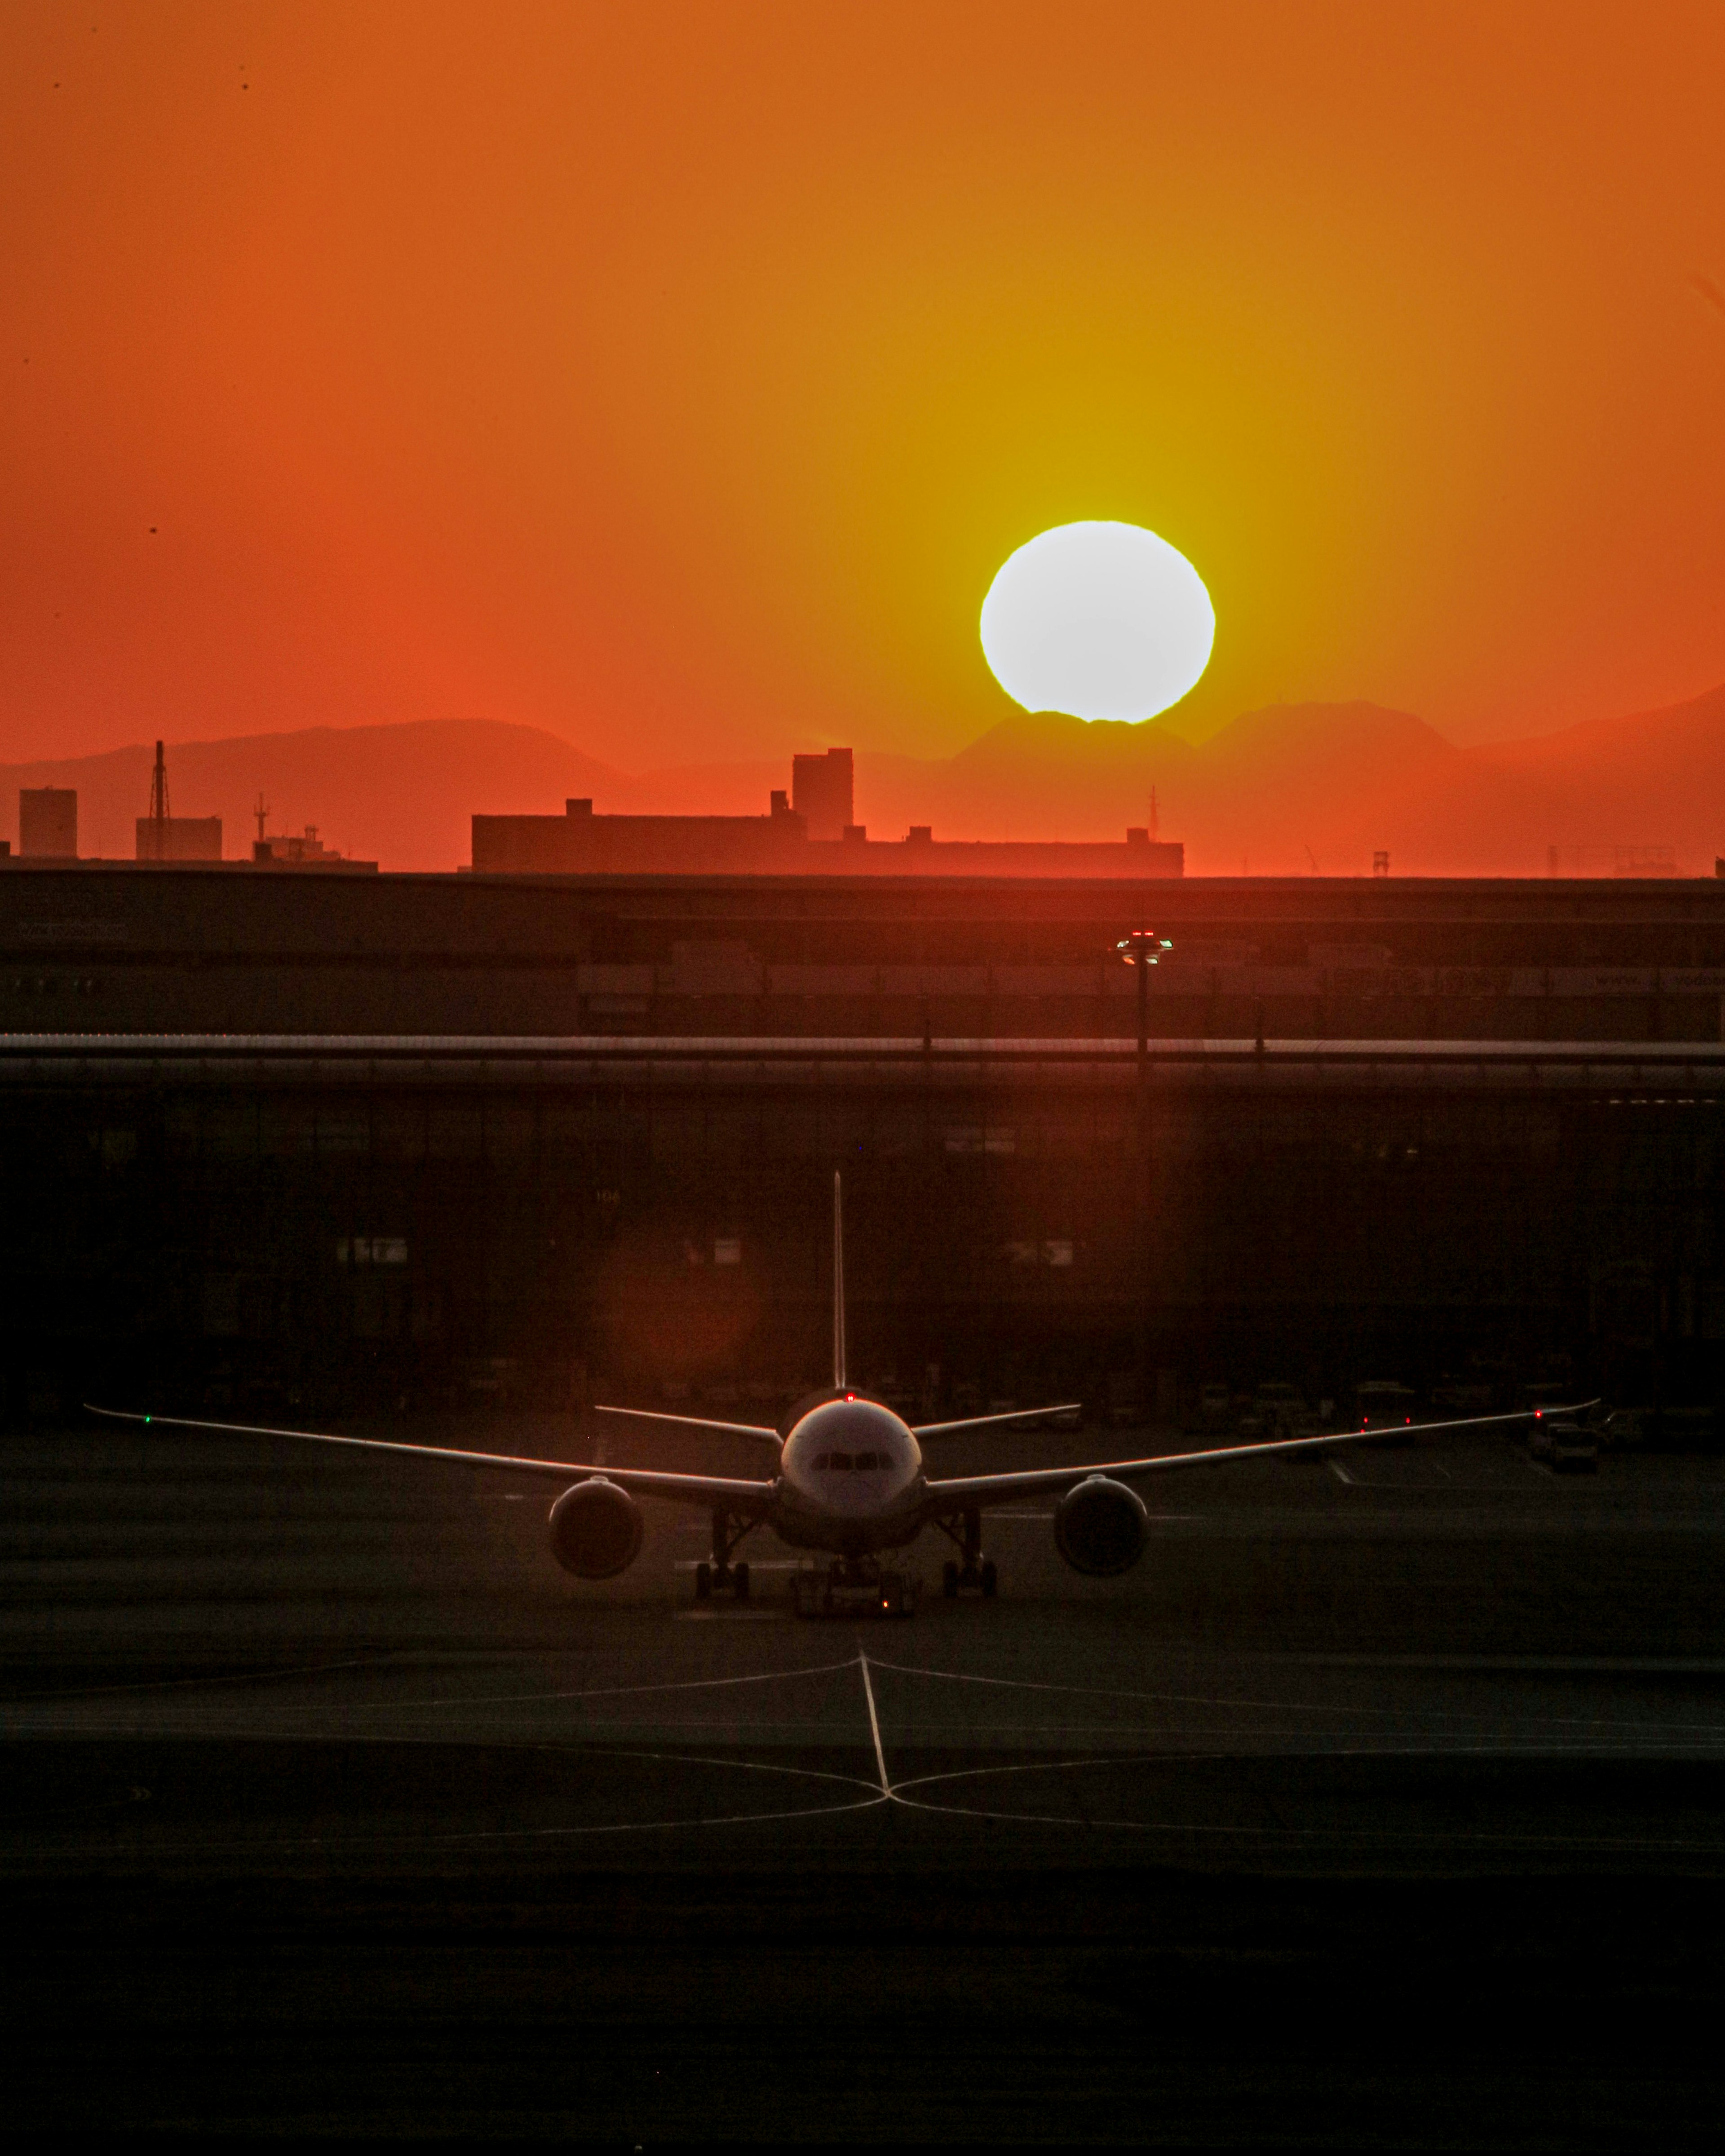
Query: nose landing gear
977, 1574
732, 1579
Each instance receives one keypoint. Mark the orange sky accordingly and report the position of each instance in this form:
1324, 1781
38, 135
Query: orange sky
677, 378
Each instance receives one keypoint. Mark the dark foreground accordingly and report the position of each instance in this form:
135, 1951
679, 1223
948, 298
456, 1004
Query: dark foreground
1381, 1813
1130, 2003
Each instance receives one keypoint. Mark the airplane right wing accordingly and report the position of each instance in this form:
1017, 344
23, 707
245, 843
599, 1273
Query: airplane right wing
980, 1490
703, 1490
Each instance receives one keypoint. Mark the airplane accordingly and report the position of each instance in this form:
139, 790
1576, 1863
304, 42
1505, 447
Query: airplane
851, 1484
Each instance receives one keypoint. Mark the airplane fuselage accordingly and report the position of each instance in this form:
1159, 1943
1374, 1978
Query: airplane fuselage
850, 1479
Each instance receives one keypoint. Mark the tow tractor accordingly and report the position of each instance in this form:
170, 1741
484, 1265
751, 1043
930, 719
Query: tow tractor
853, 1587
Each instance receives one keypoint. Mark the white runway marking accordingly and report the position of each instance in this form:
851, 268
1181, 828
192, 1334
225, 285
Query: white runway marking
1391, 1836
1339, 1471
1346, 1708
871, 1797
1329, 1731
466, 1701
181, 1684
862, 1661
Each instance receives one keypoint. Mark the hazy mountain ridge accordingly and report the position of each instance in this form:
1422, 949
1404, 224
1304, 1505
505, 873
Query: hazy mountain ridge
1278, 790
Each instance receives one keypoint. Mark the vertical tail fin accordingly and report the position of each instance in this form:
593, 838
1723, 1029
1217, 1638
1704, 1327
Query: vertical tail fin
839, 1380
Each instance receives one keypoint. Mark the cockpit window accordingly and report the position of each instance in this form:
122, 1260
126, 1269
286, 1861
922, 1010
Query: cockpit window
840, 1463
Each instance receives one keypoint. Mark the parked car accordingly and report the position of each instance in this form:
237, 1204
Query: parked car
1215, 1408
1460, 1397
1626, 1428
1381, 1403
1566, 1446
1280, 1411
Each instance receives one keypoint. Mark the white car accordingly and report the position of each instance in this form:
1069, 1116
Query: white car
1566, 1446
1575, 1448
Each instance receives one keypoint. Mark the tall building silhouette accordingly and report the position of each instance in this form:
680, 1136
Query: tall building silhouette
823, 793
48, 822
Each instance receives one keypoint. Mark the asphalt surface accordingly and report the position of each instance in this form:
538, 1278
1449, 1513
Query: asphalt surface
1382, 1804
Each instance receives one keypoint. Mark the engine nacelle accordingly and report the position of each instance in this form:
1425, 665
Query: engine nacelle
596, 1529
1100, 1527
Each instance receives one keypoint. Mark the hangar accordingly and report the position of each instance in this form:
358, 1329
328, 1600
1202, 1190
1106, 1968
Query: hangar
418, 1141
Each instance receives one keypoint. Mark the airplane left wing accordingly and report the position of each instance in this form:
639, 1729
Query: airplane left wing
922, 1429
981, 1490
704, 1490
699, 1422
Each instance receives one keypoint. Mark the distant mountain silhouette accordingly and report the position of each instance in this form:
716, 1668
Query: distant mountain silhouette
1278, 790
1293, 785
401, 795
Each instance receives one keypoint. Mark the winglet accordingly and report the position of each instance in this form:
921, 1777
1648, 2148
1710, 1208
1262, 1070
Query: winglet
839, 1380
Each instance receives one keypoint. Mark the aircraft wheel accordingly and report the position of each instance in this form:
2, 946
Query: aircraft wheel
703, 1582
991, 1579
740, 1582
949, 1581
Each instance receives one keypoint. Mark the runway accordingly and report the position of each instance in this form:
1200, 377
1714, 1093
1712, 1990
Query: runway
1432, 1618
325, 1798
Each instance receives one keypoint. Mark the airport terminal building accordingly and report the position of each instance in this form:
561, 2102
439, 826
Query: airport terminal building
344, 1145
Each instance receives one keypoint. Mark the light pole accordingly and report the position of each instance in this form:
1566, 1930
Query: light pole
1143, 947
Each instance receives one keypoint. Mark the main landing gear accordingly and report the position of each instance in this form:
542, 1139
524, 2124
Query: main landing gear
977, 1574
720, 1576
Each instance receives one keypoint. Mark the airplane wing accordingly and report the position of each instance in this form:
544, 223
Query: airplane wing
992, 1421
705, 1490
699, 1422
980, 1490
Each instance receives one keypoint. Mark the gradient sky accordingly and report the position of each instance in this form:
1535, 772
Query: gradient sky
676, 378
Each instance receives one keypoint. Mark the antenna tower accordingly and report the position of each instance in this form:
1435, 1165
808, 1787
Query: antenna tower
260, 809
158, 788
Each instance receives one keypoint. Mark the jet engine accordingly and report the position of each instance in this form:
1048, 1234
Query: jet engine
1099, 1527
596, 1529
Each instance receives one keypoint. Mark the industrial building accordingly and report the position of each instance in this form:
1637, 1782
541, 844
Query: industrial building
322, 1143
179, 837
48, 822
302, 850
810, 831
162, 836
579, 843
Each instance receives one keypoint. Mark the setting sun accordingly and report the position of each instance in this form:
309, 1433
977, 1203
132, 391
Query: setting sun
1099, 620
